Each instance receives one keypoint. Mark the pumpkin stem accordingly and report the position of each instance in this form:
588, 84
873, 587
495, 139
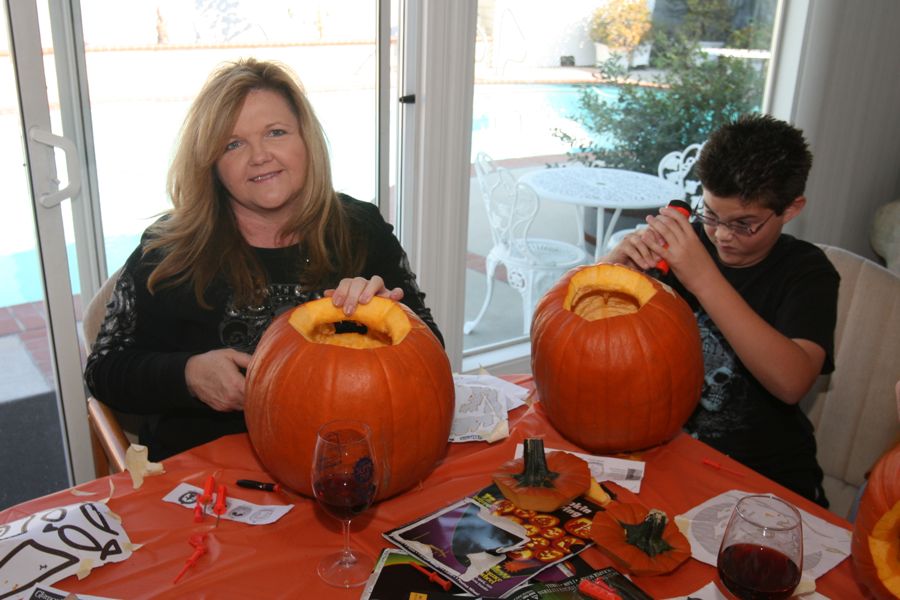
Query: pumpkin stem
648, 534
535, 473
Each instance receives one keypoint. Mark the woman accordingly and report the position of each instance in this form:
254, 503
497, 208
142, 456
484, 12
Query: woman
255, 229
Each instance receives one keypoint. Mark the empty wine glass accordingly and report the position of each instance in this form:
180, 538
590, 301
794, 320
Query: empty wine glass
344, 480
761, 556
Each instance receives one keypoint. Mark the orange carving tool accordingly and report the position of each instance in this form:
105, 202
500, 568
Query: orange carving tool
221, 503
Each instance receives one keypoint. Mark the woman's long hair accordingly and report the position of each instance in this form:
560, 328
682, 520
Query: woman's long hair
200, 238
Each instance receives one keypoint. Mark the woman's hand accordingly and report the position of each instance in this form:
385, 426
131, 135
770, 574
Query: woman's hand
359, 290
215, 378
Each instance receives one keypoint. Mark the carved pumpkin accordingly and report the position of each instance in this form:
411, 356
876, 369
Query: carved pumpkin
877, 526
395, 377
616, 359
639, 541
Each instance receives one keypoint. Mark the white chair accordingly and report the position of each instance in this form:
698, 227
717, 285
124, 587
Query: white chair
532, 264
853, 409
673, 167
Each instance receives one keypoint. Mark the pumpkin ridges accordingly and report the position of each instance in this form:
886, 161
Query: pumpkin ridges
554, 362
419, 373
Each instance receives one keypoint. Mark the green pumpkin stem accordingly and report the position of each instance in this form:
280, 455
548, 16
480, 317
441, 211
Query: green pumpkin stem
648, 534
536, 473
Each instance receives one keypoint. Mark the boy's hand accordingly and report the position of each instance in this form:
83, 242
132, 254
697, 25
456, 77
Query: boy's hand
671, 237
632, 251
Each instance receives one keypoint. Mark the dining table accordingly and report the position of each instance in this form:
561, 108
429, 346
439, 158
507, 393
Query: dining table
279, 560
603, 189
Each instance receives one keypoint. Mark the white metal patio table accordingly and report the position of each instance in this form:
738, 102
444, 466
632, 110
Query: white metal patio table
601, 188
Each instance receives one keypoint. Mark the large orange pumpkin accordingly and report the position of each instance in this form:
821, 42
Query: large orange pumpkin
395, 377
881, 495
616, 358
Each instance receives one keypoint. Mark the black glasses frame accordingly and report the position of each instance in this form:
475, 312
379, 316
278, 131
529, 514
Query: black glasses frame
738, 228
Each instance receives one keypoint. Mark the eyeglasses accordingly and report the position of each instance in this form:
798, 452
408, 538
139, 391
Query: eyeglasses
742, 229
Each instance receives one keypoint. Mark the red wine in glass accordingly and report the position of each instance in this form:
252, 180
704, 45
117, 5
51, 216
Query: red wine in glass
761, 555
758, 572
342, 496
345, 477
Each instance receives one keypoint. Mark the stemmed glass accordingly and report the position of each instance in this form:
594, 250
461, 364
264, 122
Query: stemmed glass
761, 556
345, 476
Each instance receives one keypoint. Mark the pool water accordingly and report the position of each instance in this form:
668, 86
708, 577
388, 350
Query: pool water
513, 121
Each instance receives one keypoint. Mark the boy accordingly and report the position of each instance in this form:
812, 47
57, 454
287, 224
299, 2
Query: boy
765, 302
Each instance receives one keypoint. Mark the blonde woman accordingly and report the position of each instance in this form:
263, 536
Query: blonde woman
255, 229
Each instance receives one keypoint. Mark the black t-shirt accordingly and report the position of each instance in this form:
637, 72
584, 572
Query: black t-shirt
794, 289
137, 362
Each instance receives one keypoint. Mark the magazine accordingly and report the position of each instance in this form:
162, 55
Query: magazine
488, 547
398, 574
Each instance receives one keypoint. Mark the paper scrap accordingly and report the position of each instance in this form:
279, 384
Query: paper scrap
824, 545
236, 509
139, 466
625, 472
50, 545
482, 404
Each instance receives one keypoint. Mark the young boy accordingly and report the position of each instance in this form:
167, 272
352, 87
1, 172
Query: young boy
765, 302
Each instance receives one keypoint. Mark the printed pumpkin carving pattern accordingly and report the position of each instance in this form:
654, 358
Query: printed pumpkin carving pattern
548, 540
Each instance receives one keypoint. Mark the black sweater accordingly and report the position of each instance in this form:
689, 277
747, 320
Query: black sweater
137, 363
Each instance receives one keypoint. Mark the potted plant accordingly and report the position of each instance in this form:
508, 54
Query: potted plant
618, 27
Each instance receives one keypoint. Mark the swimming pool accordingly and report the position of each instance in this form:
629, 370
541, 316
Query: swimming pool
509, 121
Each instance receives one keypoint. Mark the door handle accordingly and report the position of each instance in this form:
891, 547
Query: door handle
73, 170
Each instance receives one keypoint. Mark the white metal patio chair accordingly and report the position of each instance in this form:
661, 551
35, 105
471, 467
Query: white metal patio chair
674, 167
532, 264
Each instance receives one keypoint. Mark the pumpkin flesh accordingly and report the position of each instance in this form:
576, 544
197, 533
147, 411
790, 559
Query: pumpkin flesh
616, 359
395, 377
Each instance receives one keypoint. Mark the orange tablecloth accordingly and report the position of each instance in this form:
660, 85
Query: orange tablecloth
278, 560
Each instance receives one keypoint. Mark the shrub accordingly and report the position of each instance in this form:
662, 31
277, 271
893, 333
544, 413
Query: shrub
691, 97
621, 23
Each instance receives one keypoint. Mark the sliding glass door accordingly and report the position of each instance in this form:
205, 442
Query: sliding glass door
108, 84
43, 425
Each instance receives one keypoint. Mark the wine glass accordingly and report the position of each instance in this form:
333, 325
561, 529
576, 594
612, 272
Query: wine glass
761, 556
344, 480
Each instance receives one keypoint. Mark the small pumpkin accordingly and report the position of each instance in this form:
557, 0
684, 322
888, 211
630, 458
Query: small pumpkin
639, 541
616, 359
542, 482
877, 569
393, 374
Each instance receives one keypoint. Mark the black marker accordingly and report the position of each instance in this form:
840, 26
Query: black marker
258, 485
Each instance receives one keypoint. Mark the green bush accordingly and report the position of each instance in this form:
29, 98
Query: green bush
692, 96
620, 24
